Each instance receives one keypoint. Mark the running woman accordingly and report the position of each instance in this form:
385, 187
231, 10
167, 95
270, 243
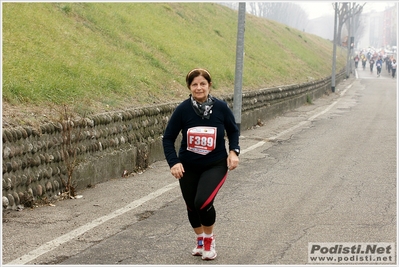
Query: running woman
202, 164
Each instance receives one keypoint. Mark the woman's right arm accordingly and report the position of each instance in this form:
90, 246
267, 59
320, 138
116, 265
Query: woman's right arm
172, 130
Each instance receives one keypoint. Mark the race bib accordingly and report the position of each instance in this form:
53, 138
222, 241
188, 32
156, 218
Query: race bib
201, 140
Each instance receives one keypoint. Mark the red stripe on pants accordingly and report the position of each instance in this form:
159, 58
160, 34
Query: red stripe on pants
213, 195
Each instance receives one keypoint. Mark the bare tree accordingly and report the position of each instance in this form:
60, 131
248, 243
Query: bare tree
345, 12
360, 26
288, 13
232, 5
293, 15
71, 132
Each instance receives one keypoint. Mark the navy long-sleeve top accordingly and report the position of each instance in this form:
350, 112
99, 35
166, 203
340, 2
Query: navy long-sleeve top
203, 140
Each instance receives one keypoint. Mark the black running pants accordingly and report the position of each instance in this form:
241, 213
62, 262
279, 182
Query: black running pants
199, 186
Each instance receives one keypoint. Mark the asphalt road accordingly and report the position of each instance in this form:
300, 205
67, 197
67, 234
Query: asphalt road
325, 172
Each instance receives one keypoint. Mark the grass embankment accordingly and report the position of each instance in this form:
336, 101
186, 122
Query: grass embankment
96, 57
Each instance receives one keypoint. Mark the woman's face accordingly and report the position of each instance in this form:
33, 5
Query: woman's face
200, 88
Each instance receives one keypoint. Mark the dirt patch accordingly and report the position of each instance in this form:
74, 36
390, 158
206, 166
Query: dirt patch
34, 115
26, 114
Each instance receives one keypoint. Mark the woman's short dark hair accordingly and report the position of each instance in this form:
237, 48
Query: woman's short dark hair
195, 73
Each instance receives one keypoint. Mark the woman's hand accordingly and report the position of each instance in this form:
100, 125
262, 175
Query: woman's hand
232, 160
177, 170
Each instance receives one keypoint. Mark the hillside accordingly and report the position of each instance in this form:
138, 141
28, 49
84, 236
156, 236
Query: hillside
96, 57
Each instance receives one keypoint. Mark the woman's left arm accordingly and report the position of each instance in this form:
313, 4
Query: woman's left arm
233, 135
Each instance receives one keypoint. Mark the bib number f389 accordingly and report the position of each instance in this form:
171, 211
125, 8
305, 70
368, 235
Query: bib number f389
201, 140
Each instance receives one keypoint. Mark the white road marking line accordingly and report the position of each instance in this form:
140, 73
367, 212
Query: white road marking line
261, 143
84, 228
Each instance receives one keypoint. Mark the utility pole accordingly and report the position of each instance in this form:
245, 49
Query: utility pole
348, 44
334, 57
353, 36
237, 102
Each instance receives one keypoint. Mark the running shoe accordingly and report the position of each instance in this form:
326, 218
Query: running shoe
197, 251
209, 252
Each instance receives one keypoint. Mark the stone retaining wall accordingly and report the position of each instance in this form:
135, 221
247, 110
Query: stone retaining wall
36, 162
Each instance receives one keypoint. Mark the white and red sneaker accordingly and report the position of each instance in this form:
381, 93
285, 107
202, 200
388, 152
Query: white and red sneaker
209, 252
197, 251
